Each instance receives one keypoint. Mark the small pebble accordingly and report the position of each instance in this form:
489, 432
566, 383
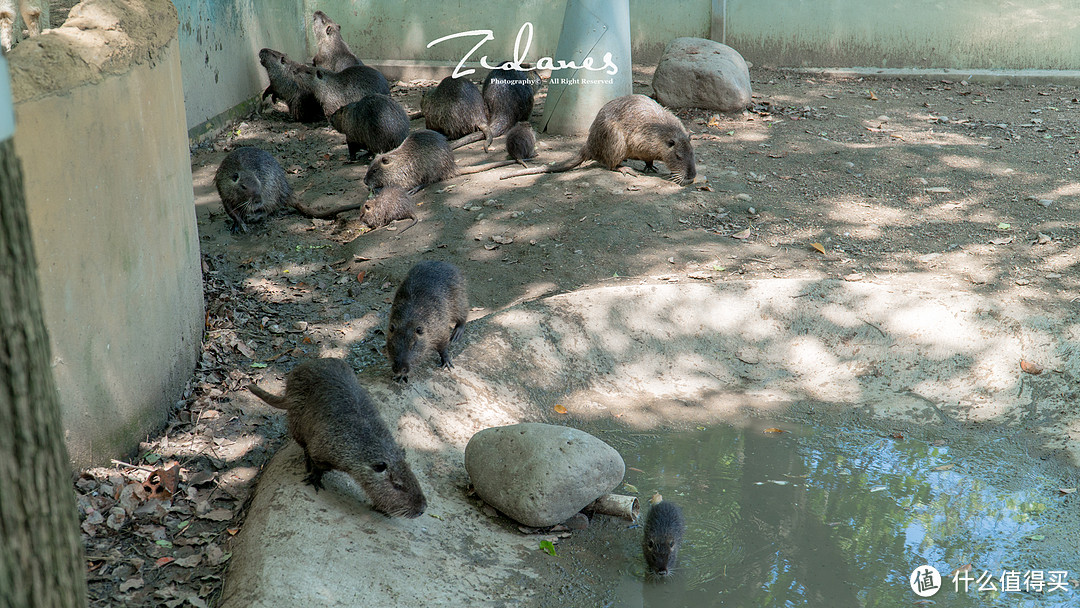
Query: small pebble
1045, 202
742, 196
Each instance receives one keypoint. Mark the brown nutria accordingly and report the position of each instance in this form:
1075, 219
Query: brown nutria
521, 143
303, 105
664, 527
389, 205
632, 127
429, 312
333, 419
376, 123
333, 54
423, 158
252, 185
508, 95
455, 108
337, 89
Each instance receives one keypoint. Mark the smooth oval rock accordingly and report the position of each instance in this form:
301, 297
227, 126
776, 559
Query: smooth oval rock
541, 474
701, 73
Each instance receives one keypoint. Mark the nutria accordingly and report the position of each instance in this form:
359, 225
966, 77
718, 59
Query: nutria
252, 185
508, 96
389, 205
35, 16
632, 127
423, 158
429, 312
455, 108
303, 105
664, 528
333, 54
333, 419
521, 143
337, 89
376, 123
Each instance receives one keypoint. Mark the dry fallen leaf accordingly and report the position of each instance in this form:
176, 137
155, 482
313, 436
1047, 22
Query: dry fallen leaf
360, 276
161, 484
1066, 490
742, 234
1030, 368
162, 561
961, 569
560, 409
218, 515
897, 435
944, 467
818, 246
773, 429
656, 499
872, 96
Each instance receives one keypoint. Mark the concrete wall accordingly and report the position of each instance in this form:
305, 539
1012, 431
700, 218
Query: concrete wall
219, 52
101, 135
992, 34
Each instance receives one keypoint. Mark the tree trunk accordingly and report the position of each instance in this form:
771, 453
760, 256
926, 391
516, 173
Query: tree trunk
41, 560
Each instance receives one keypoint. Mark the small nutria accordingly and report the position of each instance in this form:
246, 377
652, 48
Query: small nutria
455, 108
333, 419
389, 205
664, 528
337, 89
521, 143
508, 95
303, 105
333, 54
376, 123
632, 127
252, 185
429, 312
423, 158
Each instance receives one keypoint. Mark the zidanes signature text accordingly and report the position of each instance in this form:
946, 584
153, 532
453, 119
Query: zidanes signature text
544, 63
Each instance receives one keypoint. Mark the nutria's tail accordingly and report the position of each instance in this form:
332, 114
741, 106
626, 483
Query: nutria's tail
484, 134
479, 168
277, 401
556, 168
323, 214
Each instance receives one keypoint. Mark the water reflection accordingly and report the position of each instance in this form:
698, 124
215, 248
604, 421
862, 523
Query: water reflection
832, 519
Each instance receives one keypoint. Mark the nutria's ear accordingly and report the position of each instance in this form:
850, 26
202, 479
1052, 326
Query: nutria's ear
419, 331
392, 329
671, 143
329, 30
385, 160
282, 60
378, 467
235, 177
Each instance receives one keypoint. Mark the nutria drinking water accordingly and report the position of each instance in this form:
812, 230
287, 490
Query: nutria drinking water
376, 123
632, 127
508, 96
337, 89
423, 158
333, 419
664, 528
456, 109
521, 143
389, 205
252, 185
429, 312
303, 105
332, 54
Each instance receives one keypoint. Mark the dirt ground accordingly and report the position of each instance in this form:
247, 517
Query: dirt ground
962, 185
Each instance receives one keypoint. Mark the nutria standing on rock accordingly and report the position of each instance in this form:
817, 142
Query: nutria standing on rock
332, 54
389, 205
508, 95
303, 105
337, 89
332, 418
455, 108
664, 528
521, 143
429, 312
423, 158
252, 185
632, 127
376, 123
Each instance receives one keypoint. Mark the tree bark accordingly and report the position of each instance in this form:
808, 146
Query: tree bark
41, 561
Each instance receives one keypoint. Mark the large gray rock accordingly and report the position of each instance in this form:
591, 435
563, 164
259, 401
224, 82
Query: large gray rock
700, 73
541, 474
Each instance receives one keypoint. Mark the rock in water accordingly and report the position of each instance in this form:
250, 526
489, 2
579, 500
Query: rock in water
700, 73
541, 474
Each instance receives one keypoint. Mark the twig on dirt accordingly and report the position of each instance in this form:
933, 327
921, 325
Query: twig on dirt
883, 334
132, 466
944, 417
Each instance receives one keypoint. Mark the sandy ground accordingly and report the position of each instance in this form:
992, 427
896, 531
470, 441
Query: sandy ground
928, 229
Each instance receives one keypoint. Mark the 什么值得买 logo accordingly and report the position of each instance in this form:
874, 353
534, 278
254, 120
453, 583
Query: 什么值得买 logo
544, 63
